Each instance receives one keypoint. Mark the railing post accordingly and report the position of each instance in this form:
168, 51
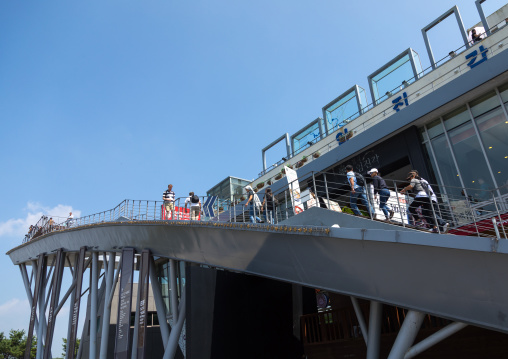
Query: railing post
286, 199
326, 189
472, 212
498, 215
398, 203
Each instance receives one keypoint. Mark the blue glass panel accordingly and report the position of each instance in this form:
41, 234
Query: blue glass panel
342, 112
392, 79
302, 140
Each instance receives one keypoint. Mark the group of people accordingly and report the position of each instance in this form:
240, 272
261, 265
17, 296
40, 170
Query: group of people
192, 201
425, 198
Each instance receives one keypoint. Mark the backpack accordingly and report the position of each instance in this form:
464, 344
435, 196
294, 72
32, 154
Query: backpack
360, 181
194, 199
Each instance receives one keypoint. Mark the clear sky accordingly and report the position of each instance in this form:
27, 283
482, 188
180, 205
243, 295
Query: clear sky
103, 101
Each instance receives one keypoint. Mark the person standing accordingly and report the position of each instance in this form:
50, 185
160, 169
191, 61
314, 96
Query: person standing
169, 201
421, 199
381, 189
357, 191
68, 222
253, 199
195, 206
269, 205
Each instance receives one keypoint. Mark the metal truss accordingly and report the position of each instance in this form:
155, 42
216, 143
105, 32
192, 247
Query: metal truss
43, 292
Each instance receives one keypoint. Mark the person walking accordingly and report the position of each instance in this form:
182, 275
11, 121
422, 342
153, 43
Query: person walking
253, 199
381, 189
169, 202
269, 205
195, 206
357, 184
422, 199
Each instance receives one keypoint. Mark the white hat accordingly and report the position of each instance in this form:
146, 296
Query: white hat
372, 170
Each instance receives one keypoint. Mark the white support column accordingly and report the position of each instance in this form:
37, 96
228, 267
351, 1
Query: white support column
159, 304
174, 290
176, 330
434, 339
106, 316
360, 318
407, 334
93, 305
374, 340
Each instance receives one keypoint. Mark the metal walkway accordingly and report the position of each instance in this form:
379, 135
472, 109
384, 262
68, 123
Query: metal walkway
455, 277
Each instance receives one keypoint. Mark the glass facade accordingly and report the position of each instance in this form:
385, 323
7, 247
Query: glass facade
395, 77
229, 189
301, 141
468, 147
345, 109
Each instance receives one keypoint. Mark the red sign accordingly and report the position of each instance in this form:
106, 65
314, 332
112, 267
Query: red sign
181, 214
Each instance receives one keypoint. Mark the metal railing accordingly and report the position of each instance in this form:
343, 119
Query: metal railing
463, 211
361, 126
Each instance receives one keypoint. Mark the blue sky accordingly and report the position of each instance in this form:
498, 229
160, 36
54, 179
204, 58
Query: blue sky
102, 101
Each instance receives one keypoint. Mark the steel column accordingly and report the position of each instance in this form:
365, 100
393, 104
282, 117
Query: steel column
374, 340
174, 290
106, 316
55, 295
42, 314
124, 306
407, 334
74, 310
142, 304
176, 331
360, 318
93, 305
434, 339
33, 312
159, 304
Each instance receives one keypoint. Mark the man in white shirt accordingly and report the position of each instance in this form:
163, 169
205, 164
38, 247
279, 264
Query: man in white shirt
195, 206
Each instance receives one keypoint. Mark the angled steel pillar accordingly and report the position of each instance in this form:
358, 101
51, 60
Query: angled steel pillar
41, 267
373, 343
93, 305
106, 316
139, 340
26, 282
407, 334
75, 303
42, 313
124, 305
434, 339
55, 295
176, 330
360, 318
159, 304
174, 290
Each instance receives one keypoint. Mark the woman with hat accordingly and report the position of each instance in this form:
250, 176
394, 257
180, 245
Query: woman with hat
381, 188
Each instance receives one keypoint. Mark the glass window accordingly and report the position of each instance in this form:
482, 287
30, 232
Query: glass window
471, 161
435, 128
447, 167
346, 109
503, 90
493, 128
456, 118
301, 141
484, 104
392, 79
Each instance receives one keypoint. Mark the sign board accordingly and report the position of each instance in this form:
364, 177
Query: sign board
181, 214
398, 205
294, 190
124, 305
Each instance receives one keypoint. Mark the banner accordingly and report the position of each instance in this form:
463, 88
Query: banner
143, 302
181, 214
294, 190
124, 305
398, 205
